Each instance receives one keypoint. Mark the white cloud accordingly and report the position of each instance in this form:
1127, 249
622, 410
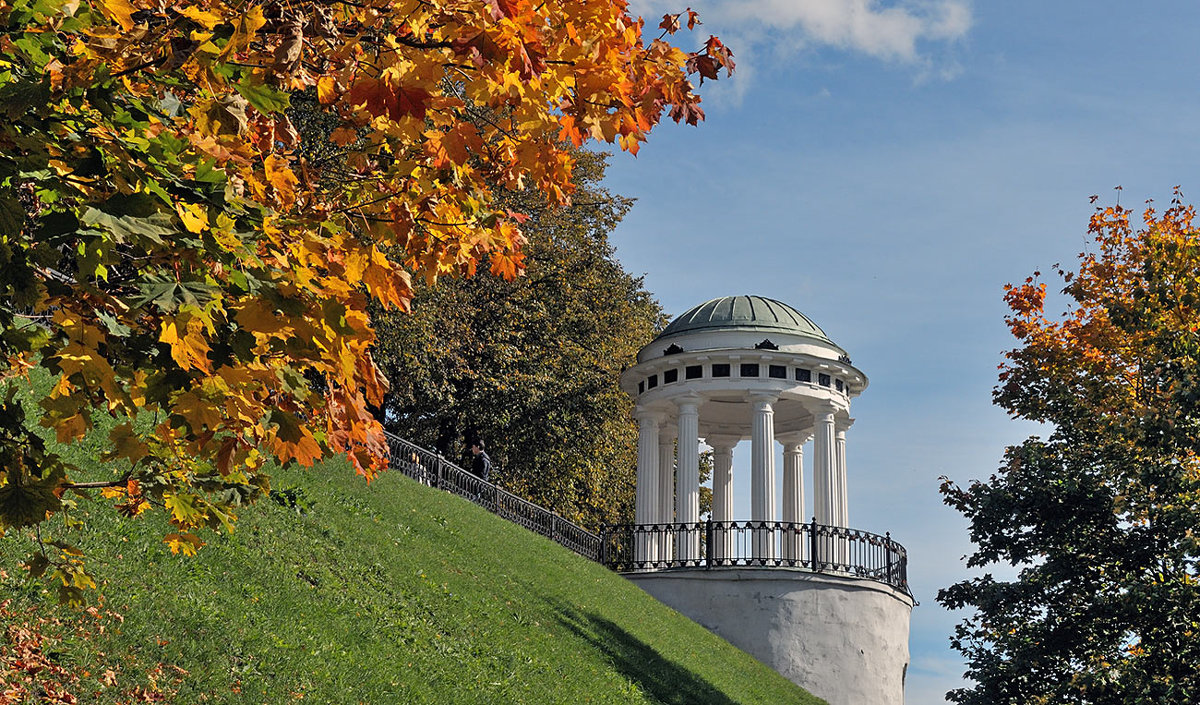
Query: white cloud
887, 32
904, 32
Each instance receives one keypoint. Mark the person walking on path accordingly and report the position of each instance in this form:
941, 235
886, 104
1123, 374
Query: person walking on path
481, 466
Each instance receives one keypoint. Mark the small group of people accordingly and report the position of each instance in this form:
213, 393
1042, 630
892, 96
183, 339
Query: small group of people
481, 463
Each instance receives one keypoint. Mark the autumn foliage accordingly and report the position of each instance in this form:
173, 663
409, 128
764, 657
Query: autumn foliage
183, 252
532, 365
1099, 520
32, 667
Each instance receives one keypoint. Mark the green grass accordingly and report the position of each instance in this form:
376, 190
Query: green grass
384, 593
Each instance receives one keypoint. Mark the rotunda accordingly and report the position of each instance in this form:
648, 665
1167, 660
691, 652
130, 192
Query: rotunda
824, 604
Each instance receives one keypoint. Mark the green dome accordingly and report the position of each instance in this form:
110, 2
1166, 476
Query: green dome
744, 313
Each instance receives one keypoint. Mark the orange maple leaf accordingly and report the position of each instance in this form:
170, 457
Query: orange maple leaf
388, 97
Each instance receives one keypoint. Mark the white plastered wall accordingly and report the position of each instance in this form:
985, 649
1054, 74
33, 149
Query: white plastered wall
843, 639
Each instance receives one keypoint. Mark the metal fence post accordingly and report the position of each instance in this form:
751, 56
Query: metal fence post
812, 545
708, 544
887, 547
439, 473
604, 545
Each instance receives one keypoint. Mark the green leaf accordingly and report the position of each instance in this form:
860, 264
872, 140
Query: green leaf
289, 426
113, 325
18, 97
153, 228
206, 172
12, 215
167, 294
170, 105
160, 292
183, 508
27, 504
52, 226
263, 97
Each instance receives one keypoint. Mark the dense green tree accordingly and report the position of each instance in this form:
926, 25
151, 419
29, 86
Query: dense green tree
1100, 520
532, 365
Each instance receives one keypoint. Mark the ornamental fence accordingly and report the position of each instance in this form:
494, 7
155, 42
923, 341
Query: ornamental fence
432, 469
760, 544
707, 544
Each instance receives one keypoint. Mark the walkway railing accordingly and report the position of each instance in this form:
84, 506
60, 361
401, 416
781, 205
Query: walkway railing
714, 544
709, 544
432, 469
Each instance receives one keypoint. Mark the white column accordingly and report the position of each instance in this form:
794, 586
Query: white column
762, 472
666, 488
646, 496
793, 495
687, 477
842, 507
722, 510
823, 466
722, 476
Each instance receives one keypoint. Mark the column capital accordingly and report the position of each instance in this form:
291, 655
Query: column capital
824, 409
645, 414
763, 401
719, 442
688, 400
793, 442
844, 424
794, 437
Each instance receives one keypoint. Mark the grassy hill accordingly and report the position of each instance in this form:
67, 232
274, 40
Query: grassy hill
387, 593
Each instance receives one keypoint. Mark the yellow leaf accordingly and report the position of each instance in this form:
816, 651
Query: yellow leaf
244, 30
198, 412
71, 428
189, 349
282, 179
226, 116
227, 240
193, 215
256, 316
82, 580
391, 285
184, 543
326, 89
120, 11
202, 17
506, 265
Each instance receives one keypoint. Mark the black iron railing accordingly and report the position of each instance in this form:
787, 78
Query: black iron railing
707, 544
715, 544
432, 469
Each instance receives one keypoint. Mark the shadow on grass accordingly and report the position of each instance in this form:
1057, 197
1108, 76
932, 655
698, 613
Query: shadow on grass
665, 681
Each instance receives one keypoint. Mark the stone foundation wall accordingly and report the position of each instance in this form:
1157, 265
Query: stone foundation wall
843, 639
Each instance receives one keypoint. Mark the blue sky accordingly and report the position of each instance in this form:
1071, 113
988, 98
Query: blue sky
886, 167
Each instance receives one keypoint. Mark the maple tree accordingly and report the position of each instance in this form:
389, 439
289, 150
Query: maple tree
1100, 519
182, 256
532, 365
